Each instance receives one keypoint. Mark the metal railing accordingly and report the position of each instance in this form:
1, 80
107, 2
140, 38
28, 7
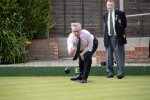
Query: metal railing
135, 15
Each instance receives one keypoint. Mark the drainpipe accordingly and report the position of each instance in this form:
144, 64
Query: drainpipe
121, 5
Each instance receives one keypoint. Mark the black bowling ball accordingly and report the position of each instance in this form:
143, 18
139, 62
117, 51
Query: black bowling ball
67, 70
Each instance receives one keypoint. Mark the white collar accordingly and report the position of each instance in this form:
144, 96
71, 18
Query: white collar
112, 12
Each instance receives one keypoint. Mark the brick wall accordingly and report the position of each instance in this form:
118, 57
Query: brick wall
43, 49
138, 55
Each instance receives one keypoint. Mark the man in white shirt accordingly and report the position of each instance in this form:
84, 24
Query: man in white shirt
88, 46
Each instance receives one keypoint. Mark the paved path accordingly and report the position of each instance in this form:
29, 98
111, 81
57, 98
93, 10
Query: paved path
61, 63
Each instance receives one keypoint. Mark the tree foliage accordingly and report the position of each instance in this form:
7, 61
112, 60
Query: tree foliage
21, 20
12, 39
37, 14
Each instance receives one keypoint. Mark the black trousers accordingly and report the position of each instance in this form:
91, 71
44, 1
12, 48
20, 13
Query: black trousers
85, 65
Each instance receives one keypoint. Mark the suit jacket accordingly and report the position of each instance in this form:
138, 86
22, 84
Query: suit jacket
120, 25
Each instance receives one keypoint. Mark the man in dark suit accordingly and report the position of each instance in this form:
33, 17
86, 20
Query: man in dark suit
114, 39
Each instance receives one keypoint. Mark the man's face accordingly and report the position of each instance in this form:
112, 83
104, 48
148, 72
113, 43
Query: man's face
76, 31
110, 6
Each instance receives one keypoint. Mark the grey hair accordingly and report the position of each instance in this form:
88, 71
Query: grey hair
76, 25
111, 1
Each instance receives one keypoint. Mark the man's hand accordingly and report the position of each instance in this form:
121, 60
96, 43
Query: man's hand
82, 56
72, 51
124, 35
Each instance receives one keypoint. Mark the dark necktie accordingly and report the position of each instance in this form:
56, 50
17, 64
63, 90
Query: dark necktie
111, 25
78, 50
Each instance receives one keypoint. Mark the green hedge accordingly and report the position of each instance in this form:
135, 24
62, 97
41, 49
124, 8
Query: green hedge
20, 21
12, 38
38, 18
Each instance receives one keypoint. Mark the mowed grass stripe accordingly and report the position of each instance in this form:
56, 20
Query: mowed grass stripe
61, 88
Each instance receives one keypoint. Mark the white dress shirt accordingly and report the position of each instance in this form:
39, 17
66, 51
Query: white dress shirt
108, 23
86, 41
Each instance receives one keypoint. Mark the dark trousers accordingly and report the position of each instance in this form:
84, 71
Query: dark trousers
85, 65
114, 46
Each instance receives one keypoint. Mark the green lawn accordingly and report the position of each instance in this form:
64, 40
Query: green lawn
61, 88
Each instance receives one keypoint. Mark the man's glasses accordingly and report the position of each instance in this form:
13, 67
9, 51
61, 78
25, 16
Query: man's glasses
76, 31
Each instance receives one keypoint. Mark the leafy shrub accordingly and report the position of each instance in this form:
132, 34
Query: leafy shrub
37, 14
22, 20
11, 37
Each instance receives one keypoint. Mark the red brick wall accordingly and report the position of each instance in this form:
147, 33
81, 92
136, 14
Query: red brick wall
43, 49
138, 55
